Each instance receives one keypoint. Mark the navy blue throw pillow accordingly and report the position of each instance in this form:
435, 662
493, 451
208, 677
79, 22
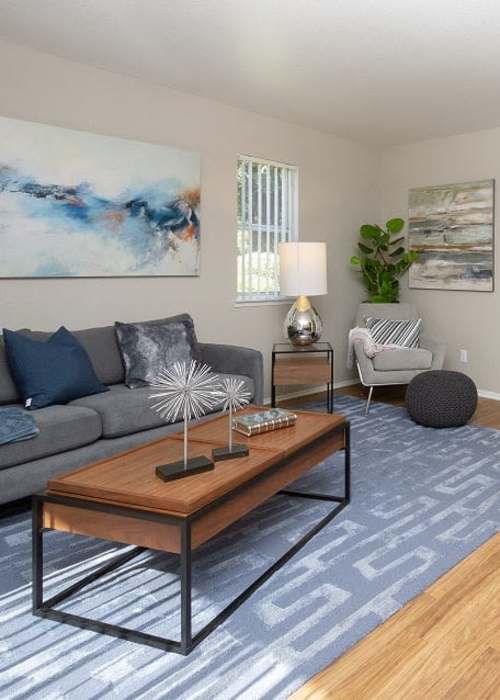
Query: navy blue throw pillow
50, 372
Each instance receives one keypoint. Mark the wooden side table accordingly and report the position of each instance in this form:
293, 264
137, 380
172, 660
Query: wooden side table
308, 364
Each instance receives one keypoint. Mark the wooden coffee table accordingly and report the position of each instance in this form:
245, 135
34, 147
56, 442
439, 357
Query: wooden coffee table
121, 499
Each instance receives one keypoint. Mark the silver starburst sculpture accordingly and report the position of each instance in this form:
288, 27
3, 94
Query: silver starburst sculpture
234, 395
187, 391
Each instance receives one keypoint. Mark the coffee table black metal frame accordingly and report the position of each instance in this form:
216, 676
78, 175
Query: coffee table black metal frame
188, 640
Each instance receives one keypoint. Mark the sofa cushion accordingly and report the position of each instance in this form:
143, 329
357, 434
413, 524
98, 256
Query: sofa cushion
50, 372
406, 358
124, 411
102, 348
8, 390
61, 428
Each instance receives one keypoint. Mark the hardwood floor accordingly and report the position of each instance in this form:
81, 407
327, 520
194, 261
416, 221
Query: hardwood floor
444, 644
487, 414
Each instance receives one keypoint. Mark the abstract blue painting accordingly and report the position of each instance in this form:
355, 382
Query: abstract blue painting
76, 204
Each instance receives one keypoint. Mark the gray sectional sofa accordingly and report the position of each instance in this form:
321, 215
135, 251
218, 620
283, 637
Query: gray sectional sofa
94, 427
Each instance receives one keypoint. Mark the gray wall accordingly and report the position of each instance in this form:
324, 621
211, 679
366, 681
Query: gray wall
337, 194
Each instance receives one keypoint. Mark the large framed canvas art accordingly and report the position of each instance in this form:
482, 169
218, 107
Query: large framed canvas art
76, 204
452, 229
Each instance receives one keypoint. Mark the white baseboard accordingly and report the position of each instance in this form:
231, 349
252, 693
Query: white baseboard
309, 392
485, 394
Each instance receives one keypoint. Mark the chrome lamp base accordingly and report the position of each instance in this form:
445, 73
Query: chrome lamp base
303, 324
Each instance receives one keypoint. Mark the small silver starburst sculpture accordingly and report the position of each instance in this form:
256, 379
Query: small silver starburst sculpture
187, 391
234, 396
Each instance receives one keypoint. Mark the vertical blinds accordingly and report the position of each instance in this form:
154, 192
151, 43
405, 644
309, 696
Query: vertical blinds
267, 216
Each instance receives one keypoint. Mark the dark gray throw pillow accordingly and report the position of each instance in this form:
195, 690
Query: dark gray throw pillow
152, 345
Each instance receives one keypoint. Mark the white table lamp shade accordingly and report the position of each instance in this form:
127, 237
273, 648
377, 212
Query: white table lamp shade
302, 268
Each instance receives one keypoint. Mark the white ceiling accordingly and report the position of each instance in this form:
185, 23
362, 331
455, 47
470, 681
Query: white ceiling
378, 71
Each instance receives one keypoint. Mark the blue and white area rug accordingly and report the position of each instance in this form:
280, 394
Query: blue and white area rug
422, 500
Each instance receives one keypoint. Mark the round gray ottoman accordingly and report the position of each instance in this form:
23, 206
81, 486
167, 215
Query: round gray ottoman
441, 399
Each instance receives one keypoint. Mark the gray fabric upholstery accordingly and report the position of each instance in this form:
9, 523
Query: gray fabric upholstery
102, 348
371, 372
125, 411
406, 358
122, 410
372, 377
62, 428
8, 391
232, 359
72, 435
390, 311
436, 348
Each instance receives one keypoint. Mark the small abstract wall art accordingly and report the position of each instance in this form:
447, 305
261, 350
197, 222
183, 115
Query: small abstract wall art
76, 204
452, 228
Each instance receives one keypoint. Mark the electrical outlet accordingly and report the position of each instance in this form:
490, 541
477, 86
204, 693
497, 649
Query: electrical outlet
463, 356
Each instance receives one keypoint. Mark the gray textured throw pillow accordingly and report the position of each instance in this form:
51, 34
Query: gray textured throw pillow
150, 346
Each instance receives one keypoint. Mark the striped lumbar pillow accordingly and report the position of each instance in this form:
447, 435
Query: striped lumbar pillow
389, 332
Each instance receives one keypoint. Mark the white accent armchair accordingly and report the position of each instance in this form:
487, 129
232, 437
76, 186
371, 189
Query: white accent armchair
394, 366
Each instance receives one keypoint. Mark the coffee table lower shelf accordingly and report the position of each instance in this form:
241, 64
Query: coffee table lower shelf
187, 641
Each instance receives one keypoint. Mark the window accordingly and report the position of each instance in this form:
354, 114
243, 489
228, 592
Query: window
267, 216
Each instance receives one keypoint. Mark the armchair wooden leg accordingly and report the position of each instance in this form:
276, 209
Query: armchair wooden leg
368, 401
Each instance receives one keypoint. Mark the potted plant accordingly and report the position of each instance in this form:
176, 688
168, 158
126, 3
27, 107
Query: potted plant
383, 260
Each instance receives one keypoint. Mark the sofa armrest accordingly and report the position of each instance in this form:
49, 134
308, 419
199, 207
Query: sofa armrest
436, 347
365, 363
232, 359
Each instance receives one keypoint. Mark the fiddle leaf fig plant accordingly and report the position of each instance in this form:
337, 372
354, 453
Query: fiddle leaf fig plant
383, 259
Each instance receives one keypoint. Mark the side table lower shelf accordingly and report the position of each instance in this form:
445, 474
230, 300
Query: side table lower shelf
303, 365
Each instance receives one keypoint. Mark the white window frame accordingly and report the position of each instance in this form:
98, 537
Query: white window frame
286, 230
